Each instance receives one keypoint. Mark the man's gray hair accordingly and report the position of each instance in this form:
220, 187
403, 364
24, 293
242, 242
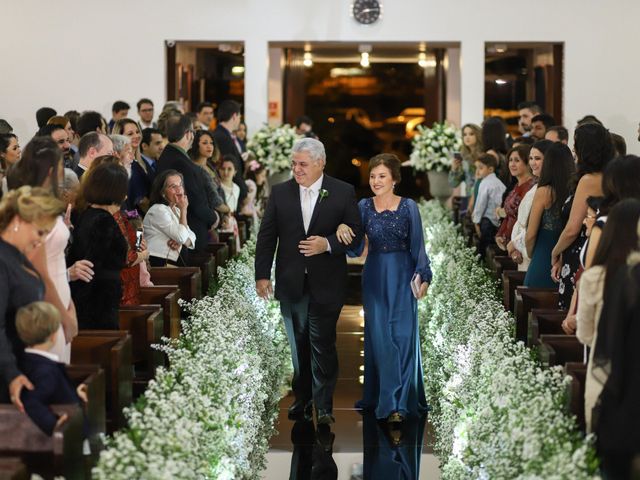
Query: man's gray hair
313, 147
119, 142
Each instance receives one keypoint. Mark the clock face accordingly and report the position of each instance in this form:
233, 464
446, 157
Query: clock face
366, 11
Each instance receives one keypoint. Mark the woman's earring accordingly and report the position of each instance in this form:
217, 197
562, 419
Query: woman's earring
15, 228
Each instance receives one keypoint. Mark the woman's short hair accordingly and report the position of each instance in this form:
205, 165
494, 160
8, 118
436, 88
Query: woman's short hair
160, 185
106, 184
31, 204
36, 322
388, 160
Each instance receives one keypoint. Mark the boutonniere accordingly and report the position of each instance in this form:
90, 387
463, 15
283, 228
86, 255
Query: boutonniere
323, 194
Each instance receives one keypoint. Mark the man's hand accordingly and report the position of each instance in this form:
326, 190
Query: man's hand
15, 388
264, 288
313, 245
81, 270
569, 325
423, 290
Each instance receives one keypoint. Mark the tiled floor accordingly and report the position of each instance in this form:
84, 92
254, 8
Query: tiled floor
357, 447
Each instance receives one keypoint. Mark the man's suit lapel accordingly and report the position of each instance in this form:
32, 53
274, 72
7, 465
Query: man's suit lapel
297, 203
316, 208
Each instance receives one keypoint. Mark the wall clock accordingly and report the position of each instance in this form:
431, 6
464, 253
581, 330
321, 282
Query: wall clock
366, 12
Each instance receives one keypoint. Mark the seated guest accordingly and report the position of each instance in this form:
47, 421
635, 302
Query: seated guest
517, 248
165, 225
174, 157
97, 238
540, 124
37, 324
92, 145
27, 215
119, 110
557, 134
519, 169
488, 200
545, 223
618, 240
616, 357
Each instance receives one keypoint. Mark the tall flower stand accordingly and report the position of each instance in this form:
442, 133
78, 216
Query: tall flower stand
279, 177
439, 186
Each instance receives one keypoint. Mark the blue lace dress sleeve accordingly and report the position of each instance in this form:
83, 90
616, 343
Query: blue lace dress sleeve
356, 250
418, 252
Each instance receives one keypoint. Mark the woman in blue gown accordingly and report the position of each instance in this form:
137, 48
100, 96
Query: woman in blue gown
393, 383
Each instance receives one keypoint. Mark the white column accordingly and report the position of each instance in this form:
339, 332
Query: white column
472, 80
276, 73
256, 63
453, 86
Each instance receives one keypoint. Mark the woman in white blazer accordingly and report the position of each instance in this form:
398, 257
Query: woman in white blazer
165, 224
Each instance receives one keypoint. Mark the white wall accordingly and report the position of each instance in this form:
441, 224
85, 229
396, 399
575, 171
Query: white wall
72, 54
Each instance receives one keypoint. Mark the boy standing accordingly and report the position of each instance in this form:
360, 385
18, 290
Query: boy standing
489, 199
37, 325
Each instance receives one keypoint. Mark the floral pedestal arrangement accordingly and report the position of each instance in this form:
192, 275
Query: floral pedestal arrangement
278, 177
271, 146
439, 185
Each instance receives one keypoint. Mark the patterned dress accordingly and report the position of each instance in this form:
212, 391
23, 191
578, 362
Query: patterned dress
130, 275
570, 261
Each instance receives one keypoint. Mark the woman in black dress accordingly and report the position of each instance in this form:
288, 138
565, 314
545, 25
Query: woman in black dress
27, 215
98, 238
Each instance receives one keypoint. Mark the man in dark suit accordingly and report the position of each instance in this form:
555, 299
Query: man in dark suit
311, 271
174, 157
228, 116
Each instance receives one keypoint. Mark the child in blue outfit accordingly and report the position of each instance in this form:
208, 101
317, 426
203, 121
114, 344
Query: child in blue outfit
488, 200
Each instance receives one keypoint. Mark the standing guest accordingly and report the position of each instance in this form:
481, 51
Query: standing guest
204, 115
304, 127
151, 146
202, 152
10, 153
27, 215
494, 135
517, 248
92, 146
526, 111
519, 169
175, 157
37, 324
43, 115
540, 124
228, 121
616, 358
70, 152
141, 173
41, 166
165, 225
258, 191
594, 150
489, 199
145, 112
97, 238
229, 187
91, 121
73, 116
5, 127
61, 137
393, 382
129, 128
619, 145
119, 110
544, 224
241, 135
311, 271
137, 253
123, 151
557, 134
463, 168
619, 239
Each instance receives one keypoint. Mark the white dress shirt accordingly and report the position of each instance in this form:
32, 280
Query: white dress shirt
231, 196
519, 232
161, 224
311, 198
43, 353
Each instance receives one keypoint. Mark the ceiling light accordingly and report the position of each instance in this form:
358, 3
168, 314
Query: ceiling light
237, 70
500, 81
364, 59
307, 59
422, 60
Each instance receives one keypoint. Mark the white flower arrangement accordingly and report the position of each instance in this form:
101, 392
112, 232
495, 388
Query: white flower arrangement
496, 412
212, 412
433, 147
272, 147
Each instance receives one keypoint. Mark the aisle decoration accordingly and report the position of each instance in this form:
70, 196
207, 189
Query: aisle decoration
271, 146
212, 412
497, 413
433, 147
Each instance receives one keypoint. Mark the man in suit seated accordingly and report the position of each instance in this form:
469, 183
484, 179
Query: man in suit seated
37, 325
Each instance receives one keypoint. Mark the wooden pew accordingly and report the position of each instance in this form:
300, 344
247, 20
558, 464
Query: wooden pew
12, 468
221, 251
206, 262
578, 373
59, 454
510, 280
502, 263
111, 350
188, 280
230, 240
544, 321
167, 296
526, 299
560, 349
145, 324
243, 231
96, 409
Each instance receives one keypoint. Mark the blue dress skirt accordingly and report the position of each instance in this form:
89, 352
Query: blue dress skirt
393, 377
539, 271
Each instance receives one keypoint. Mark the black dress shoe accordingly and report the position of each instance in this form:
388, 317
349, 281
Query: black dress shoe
301, 412
325, 417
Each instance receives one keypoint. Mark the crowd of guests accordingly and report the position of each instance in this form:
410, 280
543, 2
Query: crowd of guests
88, 207
570, 220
